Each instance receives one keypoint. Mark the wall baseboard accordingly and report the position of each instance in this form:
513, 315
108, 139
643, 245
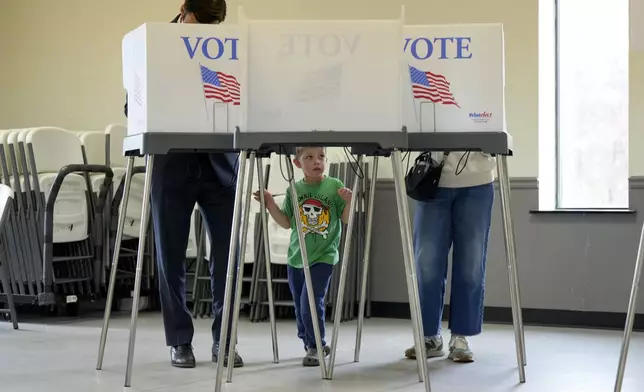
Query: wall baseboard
537, 317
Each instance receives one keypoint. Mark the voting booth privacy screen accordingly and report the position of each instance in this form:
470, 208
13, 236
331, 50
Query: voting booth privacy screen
324, 75
365, 75
457, 78
182, 78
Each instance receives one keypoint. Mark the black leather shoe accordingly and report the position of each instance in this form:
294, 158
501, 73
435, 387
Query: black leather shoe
182, 356
238, 359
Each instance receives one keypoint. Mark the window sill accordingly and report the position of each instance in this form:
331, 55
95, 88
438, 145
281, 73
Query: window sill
562, 211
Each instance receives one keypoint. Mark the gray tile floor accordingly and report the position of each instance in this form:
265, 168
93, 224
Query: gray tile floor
60, 356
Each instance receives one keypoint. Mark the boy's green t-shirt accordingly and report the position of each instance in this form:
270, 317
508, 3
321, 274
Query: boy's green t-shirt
321, 211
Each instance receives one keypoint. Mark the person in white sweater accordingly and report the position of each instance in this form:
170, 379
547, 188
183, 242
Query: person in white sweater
458, 217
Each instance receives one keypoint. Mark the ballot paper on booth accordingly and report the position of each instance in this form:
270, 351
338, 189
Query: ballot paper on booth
455, 78
323, 75
182, 78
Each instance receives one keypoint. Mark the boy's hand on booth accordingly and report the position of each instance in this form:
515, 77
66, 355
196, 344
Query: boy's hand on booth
345, 194
268, 198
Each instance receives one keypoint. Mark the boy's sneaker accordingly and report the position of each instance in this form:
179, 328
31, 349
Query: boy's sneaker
459, 349
311, 357
434, 347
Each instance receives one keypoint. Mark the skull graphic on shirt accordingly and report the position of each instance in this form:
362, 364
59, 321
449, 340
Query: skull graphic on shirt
315, 217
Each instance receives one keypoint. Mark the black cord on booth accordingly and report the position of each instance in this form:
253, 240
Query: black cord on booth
353, 162
281, 150
358, 172
406, 156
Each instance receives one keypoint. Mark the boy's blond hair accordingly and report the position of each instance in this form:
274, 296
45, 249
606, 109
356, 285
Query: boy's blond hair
300, 150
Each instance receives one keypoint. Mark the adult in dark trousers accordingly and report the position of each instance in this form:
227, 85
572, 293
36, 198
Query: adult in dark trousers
178, 182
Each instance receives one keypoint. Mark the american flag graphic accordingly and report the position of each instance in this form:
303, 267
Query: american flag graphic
321, 83
220, 86
431, 86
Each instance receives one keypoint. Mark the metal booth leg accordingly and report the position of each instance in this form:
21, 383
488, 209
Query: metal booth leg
414, 312
267, 259
230, 272
511, 255
630, 315
346, 257
145, 218
305, 263
240, 264
410, 268
115, 261
365, 262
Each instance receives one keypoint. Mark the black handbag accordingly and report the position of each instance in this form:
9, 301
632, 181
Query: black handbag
423, 178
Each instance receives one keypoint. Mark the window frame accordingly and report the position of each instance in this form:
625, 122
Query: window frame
557, 175
557, 144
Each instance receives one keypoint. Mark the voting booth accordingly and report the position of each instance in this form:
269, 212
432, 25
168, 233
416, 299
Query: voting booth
264, 86
182, 78
457, 78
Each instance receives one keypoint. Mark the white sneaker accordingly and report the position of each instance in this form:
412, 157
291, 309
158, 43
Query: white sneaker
433, 347
459, 349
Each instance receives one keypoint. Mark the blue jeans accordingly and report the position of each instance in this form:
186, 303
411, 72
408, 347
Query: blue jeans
458, 217
320, 277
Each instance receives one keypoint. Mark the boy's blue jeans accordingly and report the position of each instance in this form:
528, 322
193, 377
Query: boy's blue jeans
320, 277
458, 218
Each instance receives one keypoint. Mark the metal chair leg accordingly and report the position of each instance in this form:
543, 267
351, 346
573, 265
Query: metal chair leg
5, 279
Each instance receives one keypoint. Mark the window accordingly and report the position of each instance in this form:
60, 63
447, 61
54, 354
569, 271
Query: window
584, 152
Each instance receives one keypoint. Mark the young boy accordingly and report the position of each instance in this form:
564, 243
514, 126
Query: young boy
324, 204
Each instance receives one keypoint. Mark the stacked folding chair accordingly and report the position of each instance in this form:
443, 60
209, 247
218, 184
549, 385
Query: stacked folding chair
93, 151
11, 270
347, 171
279, 239
54, 215
107, 148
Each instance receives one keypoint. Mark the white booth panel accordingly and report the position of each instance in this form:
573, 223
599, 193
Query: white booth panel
182, 78
323, 75
457, 78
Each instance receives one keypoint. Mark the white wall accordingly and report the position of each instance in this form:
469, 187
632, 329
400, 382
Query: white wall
60, 60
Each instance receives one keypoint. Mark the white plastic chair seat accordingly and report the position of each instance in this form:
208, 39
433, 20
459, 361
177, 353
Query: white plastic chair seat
71, 221
250, 241
134, 206
250, 245
135, 202
279, 238
250, 238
